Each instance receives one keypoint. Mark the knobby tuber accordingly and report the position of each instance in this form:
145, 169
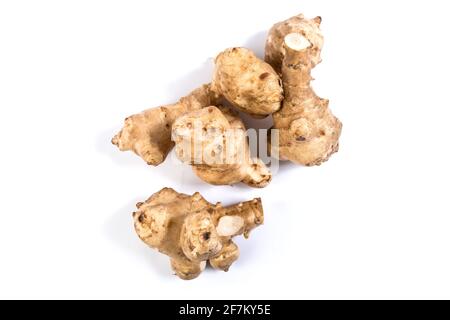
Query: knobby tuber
148, 134
214, 141
308, 131
247, 82
192, 231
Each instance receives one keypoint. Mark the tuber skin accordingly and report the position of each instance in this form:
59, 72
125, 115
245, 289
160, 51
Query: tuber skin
192, 231
213, 140
148, 134
309, 28
308, 131
247, 82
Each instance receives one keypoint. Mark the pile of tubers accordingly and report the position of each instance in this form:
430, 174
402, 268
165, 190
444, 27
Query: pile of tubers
190, 230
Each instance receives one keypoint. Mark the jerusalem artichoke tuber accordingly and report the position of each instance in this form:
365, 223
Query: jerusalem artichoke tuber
148, 134
192, 231
214, 141
308, 131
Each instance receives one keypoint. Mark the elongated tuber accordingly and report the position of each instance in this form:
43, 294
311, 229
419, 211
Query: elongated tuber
192, 231
247, 82
214, 141
308, 131
148, 134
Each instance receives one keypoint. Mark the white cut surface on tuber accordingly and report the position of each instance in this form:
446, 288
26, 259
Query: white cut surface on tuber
229, 226
147, 134
247, 82
308, 131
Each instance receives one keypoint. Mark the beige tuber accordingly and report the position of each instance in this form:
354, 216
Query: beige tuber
148, 134
308, 131
247, 82
214, 141
192, 231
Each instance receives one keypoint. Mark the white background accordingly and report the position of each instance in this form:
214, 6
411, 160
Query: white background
373, 222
